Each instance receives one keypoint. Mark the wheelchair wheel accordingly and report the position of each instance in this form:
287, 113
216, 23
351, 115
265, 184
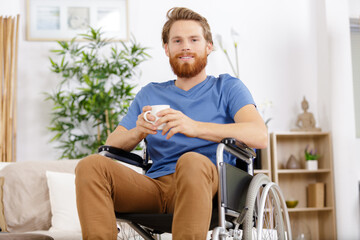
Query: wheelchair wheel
272, 214
127, 233
266, 211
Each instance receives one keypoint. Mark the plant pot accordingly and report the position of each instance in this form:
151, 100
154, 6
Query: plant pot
311, 164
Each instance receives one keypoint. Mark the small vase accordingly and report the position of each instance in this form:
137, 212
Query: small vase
292, 163
311, 164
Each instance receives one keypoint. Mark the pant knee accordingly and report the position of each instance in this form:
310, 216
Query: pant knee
90, 168
88, 164
194, 162
193, 167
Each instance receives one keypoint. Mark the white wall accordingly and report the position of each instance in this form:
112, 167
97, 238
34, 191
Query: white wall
288, 49
278, 60
341, 109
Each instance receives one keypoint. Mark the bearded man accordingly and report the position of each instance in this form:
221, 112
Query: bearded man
183, 178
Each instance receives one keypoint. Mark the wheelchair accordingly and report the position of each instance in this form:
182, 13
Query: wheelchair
246, 207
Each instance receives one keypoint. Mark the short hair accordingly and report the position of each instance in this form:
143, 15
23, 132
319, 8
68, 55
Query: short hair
180, 13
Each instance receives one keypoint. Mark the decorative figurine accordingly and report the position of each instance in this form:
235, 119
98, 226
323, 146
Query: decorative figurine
306, 120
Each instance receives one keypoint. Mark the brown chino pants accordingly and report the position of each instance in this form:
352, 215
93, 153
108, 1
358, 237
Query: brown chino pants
104, 186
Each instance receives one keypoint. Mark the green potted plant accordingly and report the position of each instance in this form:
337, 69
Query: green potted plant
95, 91
311, 158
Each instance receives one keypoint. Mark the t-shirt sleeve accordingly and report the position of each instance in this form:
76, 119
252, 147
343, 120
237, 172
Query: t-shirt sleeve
135, 109
238, 95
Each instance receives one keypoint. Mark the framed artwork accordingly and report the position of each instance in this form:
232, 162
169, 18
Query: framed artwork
50, 20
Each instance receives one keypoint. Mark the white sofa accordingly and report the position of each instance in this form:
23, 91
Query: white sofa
39, 197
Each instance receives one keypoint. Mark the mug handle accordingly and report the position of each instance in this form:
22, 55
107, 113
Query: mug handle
145, 118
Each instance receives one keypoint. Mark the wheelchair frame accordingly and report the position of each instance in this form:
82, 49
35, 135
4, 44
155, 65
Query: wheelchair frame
244, 214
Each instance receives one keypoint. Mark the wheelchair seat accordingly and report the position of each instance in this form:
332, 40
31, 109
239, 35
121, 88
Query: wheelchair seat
159, 223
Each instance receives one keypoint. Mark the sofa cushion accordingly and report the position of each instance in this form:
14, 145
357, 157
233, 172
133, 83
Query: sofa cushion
26, 195
62, 235
24, 236
2, 217
63, 201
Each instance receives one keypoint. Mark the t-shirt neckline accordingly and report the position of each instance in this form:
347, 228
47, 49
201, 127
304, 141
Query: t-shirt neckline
191, 90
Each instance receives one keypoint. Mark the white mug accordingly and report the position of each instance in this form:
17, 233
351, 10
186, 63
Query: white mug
154, 110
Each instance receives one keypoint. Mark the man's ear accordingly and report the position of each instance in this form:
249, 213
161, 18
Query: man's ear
209, 48
166, 47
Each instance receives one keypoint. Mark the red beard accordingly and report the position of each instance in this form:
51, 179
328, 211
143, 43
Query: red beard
188, 70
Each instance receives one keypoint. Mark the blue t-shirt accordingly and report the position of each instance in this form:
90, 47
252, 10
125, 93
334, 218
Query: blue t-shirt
215, 100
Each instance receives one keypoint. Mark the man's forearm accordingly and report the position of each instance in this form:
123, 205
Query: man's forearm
249, 128
253, 134
125, 139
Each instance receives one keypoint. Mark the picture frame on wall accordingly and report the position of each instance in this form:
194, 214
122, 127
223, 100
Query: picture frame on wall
54, 20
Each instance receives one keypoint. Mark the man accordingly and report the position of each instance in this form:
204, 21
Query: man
183, 179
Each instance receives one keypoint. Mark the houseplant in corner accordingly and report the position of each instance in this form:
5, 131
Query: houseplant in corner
95, 91
311, 158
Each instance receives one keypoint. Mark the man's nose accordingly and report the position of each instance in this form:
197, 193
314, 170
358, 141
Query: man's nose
185, 46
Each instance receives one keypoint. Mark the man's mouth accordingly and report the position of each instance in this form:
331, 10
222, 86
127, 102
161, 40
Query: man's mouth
186, 57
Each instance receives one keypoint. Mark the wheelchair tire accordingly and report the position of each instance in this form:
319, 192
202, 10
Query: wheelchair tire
272, 215
270, 219
280, 214
256, 183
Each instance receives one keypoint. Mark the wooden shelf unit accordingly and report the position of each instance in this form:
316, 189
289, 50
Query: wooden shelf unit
320, 222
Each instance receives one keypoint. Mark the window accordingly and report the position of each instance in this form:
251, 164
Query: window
355, 53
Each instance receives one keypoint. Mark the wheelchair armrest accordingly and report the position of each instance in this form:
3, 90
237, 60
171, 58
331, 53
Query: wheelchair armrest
239, 149
123, 156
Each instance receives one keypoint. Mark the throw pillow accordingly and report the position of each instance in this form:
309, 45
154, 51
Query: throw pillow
2, 216
63, 201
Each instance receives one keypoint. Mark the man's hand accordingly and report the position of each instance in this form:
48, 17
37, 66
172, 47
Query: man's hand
144, 126
128, 139
176, 122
